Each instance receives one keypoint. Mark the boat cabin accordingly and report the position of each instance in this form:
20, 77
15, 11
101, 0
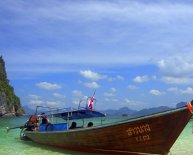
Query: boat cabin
62, 119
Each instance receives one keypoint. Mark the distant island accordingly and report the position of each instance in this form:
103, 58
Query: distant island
9, 103
125, 111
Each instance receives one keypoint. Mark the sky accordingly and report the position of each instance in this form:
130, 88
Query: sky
136, 53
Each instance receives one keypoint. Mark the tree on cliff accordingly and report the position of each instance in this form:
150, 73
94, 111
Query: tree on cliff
9, 102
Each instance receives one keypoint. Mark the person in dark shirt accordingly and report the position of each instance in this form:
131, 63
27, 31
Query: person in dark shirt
44, 119
73, 125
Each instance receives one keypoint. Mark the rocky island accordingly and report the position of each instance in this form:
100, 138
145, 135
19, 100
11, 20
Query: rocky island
9, 103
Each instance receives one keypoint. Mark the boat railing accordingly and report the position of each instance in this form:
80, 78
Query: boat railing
68, 114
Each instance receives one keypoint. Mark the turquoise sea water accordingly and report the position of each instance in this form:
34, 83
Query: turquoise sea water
10, 144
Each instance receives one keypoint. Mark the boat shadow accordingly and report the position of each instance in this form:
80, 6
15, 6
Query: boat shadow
55, 149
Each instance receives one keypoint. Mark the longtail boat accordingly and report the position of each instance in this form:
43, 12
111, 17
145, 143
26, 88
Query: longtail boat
150, 134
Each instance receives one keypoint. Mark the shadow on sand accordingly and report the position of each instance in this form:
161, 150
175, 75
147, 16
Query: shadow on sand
53, 149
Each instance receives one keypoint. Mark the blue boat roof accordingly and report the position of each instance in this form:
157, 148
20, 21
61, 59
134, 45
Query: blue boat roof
79, 114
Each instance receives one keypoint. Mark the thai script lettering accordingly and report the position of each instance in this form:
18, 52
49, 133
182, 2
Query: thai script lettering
140, 133
134, 131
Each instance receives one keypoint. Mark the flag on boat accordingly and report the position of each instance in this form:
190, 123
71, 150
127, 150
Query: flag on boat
90, 103
90, 106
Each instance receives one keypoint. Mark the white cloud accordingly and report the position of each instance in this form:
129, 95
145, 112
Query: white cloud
188, 90
45, 103
77, 93
115, 100
80, 100
98, 10
33, 96
177, 70
156, 92
113, 90
132, 87
92, 75
177, 80
173, 89
154, 77
176, 66
58, 95
111, 99
48, 86
53, 103
36, 102
107, 99
141, 79
118, 77
130, 102
91, 85
76, 101
111, 93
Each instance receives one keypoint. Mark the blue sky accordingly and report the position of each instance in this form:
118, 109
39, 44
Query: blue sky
133, 53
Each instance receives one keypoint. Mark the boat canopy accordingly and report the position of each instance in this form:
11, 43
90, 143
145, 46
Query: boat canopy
79, 114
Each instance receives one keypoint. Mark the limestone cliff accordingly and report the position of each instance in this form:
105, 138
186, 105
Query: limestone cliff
9, 102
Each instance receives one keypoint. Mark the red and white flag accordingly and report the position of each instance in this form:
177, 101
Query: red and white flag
90, 105
91, 102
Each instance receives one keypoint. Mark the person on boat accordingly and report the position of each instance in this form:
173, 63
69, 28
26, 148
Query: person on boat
73, 125
32, 123
44, 119
90, 124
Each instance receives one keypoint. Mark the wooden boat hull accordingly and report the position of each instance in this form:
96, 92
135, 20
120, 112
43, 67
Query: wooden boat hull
152, 134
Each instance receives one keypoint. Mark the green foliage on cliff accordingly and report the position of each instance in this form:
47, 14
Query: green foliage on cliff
11, 98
